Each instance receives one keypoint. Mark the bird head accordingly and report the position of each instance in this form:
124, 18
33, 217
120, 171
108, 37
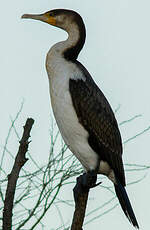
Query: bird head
61, 18
71, 22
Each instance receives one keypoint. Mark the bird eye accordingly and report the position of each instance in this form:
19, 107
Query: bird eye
51, 14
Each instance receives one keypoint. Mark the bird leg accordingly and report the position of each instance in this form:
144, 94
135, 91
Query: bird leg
84, 183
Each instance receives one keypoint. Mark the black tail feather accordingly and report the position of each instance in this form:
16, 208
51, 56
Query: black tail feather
125, 203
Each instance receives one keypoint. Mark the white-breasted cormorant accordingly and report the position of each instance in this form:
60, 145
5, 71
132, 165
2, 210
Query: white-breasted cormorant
83, 114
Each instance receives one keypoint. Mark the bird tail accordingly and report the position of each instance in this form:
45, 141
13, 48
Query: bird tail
125, 203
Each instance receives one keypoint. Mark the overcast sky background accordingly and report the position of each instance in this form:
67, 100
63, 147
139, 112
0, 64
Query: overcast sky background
116, 53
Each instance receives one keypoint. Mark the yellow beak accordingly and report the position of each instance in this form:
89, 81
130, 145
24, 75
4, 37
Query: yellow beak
42, 17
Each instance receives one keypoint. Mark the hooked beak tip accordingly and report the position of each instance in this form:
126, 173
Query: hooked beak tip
41, 17
25, 16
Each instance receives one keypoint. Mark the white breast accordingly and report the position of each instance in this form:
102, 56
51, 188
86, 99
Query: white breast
74, 135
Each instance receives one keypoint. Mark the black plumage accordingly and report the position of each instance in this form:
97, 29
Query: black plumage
97, 117
95, 114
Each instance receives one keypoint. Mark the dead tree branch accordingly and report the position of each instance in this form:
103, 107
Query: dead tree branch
79, 213
20, 160
81, 192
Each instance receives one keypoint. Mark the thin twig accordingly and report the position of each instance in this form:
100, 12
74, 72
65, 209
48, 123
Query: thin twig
137, 135
8, 135
20, 160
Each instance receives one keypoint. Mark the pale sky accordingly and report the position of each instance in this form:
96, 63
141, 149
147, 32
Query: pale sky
116, 53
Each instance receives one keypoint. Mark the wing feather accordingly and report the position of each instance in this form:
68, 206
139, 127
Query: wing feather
97, 117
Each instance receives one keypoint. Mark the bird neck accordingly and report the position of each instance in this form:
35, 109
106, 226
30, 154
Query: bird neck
75, 42
70, 48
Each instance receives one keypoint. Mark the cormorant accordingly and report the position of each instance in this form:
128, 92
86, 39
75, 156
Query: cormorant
82, 112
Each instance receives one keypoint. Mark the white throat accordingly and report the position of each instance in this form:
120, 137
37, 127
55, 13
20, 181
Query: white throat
60, 47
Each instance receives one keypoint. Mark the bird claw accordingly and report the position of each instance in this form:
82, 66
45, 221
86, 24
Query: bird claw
84, 183
95, 185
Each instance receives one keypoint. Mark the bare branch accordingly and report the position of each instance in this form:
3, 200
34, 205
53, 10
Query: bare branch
81, 193
79, 213
20, 160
